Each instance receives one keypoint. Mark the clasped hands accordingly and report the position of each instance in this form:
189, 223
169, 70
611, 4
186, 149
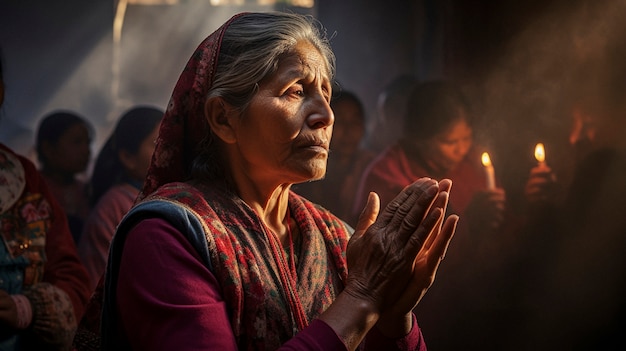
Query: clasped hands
393, 257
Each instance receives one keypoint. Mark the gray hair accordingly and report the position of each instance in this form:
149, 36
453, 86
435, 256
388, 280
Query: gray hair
252, 46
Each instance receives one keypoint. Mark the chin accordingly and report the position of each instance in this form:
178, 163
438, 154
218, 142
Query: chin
314, 174
310, 170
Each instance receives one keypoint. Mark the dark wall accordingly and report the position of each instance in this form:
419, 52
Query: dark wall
373, 40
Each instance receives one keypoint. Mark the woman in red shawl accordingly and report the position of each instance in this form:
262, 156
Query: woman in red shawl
219, 254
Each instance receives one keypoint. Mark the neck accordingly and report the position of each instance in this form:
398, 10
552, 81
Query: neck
271, 206
268, 198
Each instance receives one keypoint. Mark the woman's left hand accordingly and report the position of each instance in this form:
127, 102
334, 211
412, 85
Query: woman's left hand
396, 321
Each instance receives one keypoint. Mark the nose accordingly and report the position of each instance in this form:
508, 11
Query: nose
463, 148
320, 115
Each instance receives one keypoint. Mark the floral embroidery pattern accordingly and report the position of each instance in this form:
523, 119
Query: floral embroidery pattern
12, 180
24, 230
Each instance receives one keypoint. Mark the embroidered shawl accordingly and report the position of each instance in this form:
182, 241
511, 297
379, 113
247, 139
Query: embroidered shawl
237, 247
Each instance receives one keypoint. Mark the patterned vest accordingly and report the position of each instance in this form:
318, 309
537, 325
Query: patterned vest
264, 309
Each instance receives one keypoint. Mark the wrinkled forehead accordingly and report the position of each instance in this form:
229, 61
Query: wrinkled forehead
302, 61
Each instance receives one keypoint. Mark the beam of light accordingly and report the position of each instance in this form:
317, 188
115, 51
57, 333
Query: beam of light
118, 23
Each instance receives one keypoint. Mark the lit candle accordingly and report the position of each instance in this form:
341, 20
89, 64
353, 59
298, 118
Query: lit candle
489, 171
540, 154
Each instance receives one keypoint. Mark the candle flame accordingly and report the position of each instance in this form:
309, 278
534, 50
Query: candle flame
486, 160
540, 153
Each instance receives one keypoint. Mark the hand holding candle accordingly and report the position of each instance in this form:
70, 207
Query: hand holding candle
540, 186
489, 171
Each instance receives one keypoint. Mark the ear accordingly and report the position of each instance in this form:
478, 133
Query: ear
220, 116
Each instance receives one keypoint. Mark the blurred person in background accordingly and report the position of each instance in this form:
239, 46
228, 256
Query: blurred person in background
574, 292
43, 285
117, 177
386, 126
63, 145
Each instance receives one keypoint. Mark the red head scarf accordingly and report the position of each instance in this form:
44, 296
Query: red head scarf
184, 126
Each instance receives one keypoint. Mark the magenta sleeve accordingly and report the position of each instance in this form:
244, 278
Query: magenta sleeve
414, 341
317, 336
167, 299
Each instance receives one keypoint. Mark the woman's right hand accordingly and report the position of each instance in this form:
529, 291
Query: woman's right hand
383, 252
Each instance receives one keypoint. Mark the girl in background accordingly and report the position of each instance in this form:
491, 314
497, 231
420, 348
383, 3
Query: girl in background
117, 177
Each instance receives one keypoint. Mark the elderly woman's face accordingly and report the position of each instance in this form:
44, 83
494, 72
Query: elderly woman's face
284, 134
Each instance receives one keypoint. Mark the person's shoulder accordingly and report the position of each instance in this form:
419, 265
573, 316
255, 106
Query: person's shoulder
196, 199
122, 192
35, 181
27, 164
177, 190
119, 197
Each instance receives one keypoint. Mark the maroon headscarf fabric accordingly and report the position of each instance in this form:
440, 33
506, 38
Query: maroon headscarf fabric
184, 124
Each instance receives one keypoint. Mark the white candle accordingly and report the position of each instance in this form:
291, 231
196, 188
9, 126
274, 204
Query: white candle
489, 171
540, 154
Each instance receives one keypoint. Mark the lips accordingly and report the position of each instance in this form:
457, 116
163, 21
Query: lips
312, 143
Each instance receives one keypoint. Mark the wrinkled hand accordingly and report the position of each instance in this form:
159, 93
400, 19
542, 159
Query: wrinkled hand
383, 250
486, 210
8, 315
541, 186
429, 257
